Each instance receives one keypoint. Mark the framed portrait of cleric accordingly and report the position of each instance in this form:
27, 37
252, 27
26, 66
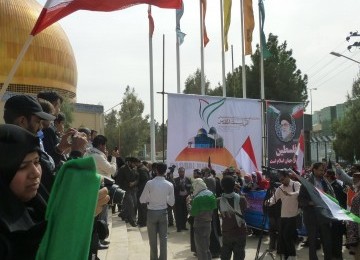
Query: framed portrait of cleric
285, 127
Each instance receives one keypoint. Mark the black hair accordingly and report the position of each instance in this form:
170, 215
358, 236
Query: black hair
85, 130
330, 172
154, 165
60, 117
46, 106
317, 165
50, 95
283, 173
10, 116
99, 140
228, 184
285, 116
161, 168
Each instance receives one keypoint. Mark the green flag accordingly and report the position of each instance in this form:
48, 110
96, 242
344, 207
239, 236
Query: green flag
265, 51
70, 212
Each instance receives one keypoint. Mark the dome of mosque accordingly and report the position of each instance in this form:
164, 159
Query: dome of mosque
201, 132
49, 63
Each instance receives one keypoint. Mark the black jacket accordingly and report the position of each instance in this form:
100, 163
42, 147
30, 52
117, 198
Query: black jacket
22, 226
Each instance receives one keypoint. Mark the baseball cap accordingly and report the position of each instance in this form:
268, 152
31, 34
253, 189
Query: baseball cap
25, 104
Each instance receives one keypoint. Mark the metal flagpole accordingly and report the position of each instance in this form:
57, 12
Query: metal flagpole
262, 91
152, 120
16, 65
222, 47
163, 101
178, 64
243, 70
202, 49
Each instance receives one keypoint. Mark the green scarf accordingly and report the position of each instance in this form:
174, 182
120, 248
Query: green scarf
70, 212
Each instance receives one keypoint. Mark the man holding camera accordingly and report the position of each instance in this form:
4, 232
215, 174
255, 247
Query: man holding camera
288, 193
105, 168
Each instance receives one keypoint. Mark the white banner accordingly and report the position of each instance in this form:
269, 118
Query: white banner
224, 131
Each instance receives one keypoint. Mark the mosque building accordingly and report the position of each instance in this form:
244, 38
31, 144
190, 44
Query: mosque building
49, 63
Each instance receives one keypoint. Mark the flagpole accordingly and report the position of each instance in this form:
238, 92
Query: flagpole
262, 88
262, 91
163, 101
243, 70
16, 65
222, 47
177, 63
232, 64
152, 123
202, 49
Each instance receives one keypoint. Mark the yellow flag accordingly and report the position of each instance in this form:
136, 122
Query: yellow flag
227, 20
249, 25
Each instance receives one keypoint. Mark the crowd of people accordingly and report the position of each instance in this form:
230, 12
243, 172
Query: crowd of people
34, 147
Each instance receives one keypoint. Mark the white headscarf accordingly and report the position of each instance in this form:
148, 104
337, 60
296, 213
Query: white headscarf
198, 185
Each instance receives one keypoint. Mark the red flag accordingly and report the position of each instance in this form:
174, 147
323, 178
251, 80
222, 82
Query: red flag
151, 22
300, 153
54, 10
206, 39
246, 157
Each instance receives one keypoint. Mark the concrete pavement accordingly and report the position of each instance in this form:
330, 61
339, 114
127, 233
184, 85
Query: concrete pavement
131, 243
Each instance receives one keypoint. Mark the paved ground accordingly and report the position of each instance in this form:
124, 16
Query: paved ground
131, 243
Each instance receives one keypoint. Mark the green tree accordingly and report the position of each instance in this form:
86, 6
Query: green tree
67, 107
134, 129
112, 129
161, 138
347, 142
282, 80
193, 84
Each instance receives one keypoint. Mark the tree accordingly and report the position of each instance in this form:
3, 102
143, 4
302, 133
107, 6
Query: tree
67, 108
282, 80
193, 84
112, 129
347, 142
134, 129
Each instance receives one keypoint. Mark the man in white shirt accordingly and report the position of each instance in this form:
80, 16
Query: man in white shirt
99, 153
288, 193
103, 167
158, 194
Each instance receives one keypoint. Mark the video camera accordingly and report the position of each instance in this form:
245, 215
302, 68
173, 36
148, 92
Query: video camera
272, 174
116, 194
172, 168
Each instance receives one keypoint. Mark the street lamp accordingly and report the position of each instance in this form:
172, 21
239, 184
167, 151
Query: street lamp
340, 55
311, 100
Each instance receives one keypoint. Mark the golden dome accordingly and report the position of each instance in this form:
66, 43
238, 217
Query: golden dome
49, 63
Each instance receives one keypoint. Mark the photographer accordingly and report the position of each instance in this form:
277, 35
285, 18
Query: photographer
105, 168
273, 212
288, 193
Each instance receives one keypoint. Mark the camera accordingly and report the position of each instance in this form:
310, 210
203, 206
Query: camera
172, 168
116, 194
271, 174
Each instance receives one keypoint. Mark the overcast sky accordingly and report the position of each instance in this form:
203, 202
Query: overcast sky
112, 49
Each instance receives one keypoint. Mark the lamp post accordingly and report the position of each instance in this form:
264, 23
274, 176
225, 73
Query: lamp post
311, 111
340, 55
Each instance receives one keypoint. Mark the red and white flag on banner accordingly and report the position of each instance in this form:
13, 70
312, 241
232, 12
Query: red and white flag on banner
246, 157
300, 153
54, 10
